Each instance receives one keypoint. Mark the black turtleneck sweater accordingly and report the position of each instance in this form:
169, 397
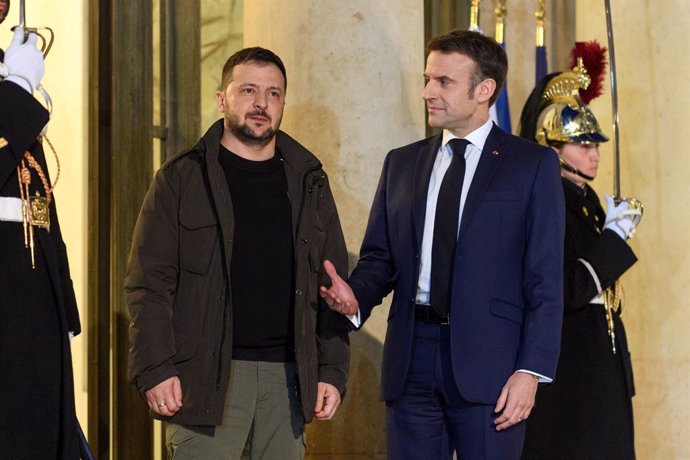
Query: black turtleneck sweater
262, 267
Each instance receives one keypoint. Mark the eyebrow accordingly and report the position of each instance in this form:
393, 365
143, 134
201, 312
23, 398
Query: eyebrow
254, 85
439, 77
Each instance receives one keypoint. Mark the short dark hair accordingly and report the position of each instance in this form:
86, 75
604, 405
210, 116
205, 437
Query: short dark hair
254, 54
490, 58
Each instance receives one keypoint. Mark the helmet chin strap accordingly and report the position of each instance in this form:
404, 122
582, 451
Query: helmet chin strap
572, 169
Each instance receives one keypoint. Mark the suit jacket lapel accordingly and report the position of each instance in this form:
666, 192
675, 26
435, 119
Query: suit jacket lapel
488, 162
420, 186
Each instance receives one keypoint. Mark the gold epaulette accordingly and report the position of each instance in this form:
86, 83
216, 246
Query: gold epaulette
3, 142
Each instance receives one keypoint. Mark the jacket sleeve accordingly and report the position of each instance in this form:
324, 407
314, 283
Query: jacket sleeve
332, 329
543, 271
374, 277
592, 271
22, 118
150, 284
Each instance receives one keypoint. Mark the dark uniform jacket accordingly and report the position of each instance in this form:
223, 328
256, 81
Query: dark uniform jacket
37, 306
178, 291
587, 412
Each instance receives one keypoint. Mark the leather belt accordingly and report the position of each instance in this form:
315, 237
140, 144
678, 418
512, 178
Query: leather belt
426, 314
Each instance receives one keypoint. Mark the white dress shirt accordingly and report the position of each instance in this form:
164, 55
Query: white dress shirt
473, 151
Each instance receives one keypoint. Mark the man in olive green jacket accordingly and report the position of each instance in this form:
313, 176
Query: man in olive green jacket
223, 279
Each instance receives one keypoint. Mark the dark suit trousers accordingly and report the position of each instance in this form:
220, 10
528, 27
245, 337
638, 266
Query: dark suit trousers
430, 418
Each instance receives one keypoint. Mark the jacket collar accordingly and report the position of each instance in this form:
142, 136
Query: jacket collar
420, 187
293, 153
489, 160
584, 203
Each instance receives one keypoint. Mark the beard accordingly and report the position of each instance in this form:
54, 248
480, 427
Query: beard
246, 134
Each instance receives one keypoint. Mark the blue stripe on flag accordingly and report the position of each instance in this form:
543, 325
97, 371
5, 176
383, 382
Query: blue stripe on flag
503, 107
541, 67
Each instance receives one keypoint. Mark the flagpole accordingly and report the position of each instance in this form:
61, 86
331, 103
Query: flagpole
540, 64
502, 105
500, 12
614, 102
474, 16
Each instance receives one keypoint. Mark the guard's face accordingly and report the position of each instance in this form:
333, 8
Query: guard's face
451, 101
253, 102
584, 157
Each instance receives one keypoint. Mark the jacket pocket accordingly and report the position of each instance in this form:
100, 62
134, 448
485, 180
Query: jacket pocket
507, 310
198, 233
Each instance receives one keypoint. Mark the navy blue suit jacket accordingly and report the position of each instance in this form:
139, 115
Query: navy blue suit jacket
507, 295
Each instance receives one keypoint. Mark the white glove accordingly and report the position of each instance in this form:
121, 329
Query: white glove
24, 61
620, 219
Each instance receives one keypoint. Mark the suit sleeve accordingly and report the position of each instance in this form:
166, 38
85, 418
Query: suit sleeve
150, 284
543, 271
332, 331
373, 278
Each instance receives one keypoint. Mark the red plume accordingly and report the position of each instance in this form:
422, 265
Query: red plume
594, 59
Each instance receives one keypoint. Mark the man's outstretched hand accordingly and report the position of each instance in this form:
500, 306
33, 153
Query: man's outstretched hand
339, 296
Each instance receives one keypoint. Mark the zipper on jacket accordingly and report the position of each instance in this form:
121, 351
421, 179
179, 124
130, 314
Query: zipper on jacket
219, 365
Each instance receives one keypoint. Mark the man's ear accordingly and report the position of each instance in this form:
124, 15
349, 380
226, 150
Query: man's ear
220, 101
485, 89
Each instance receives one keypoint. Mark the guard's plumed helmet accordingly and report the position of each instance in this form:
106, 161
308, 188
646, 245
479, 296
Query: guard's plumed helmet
564, 117
556, 111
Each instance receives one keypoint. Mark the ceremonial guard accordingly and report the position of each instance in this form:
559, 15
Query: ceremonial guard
38, 311
587, 412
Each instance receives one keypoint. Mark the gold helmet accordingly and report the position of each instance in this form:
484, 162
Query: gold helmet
564, 117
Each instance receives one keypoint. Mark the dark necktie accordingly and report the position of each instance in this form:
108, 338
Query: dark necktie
446, 229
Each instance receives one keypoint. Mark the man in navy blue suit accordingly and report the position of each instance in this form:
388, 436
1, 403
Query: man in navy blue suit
475, 263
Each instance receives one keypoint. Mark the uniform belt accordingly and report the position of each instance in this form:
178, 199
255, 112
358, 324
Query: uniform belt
10, 209
426, 314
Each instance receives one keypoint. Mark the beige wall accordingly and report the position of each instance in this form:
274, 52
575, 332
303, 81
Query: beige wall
65, 80
355, 80
652, 39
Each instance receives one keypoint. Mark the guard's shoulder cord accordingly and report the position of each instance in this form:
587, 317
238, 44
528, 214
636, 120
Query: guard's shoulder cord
613, 301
